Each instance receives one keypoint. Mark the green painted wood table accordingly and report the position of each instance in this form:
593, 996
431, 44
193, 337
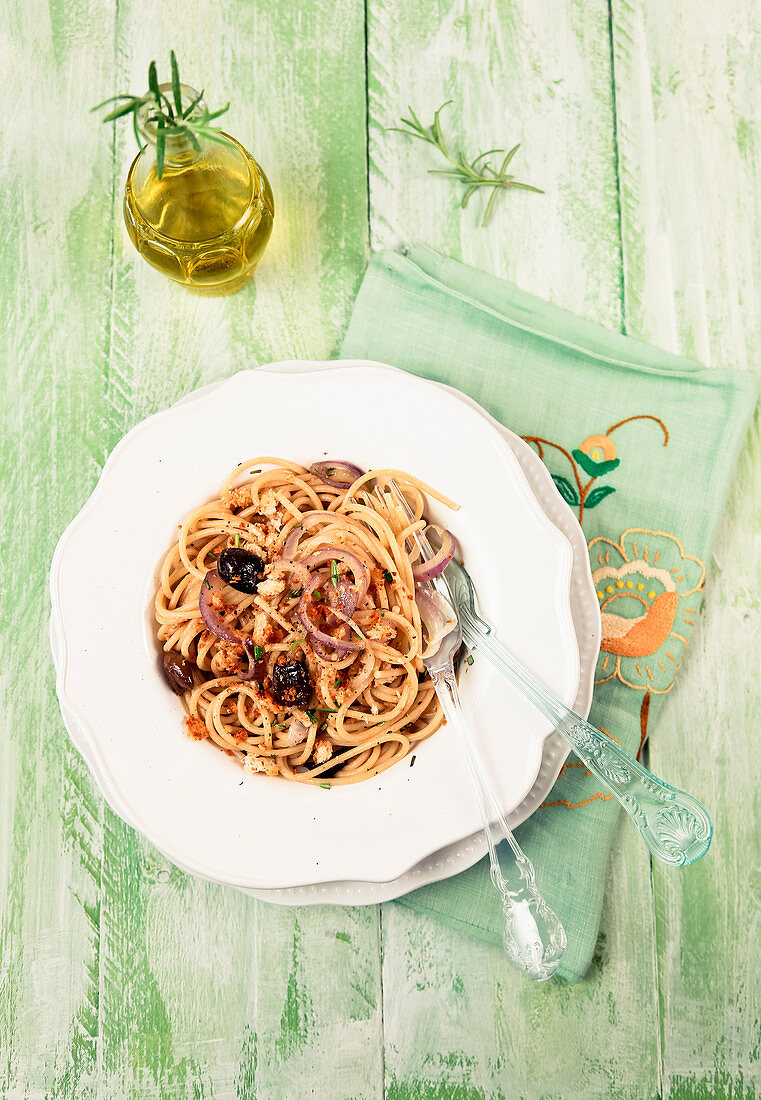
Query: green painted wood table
119, 975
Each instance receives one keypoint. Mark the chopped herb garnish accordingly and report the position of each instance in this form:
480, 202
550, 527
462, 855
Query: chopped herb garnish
338, 683
325, 786
389, 576
294, 593
469, 659
211, 557
297, 642
310, 715
237, 538
324, 710
330, 471
334, 573
317, 595
207, 583
258, 653
412, 761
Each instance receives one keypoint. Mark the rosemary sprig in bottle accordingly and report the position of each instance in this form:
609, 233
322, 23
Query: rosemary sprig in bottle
167, 114
474, 174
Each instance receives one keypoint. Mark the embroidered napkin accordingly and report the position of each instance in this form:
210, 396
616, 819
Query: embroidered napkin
641, 444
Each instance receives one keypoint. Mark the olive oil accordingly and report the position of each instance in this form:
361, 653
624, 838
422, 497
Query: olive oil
206, 222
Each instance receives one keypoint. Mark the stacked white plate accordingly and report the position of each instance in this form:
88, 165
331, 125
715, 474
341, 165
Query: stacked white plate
283, 842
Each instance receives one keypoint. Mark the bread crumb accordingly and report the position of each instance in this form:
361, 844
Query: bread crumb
195, 728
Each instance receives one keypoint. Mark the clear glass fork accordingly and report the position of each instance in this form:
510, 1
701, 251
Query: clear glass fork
533, 936
673, 824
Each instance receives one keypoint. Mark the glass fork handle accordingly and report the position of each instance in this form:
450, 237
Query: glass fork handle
673, 824
534, 937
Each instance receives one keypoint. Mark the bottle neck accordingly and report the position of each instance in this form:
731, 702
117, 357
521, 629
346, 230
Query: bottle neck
179, 151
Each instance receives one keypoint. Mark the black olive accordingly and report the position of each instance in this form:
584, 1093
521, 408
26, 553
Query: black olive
178, 672
240, 569
291, 686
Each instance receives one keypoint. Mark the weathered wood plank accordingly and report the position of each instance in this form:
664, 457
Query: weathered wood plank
54, 288
204, 991
689, 141
458, 1022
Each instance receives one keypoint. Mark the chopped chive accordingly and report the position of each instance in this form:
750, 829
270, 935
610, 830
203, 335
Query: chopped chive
317, 595
338, 683
297, 642
258, 652
334, 573
469, 659
310, 715
207, 582
389, 576
325, 786
325, 710
237, 538
211, 557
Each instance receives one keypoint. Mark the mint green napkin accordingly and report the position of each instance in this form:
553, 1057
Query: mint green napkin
641, 444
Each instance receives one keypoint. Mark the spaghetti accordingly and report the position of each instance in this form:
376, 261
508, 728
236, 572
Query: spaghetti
287, 614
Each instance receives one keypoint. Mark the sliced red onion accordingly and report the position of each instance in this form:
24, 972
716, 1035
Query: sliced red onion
342, 646
427, 570
257, 666
296, 734
325, 471
331, 656
346, 595
213, 585
434, 617
308, 519
333, 553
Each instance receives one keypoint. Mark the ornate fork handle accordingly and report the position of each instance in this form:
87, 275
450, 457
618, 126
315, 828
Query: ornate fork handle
673, 824
533, 936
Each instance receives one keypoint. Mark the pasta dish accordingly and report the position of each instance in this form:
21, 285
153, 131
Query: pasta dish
290, 623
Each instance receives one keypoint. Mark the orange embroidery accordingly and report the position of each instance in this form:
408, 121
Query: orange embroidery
575, 805
641, 592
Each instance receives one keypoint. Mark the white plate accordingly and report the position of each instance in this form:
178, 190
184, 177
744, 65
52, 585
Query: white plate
188, 798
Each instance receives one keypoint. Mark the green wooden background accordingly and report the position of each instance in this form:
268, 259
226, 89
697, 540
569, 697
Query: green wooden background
122, 977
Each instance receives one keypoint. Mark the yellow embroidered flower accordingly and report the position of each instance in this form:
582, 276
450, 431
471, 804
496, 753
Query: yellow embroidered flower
643, 585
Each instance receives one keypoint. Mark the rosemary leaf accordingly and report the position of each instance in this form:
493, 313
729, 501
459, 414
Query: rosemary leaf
188, 110
176, 91
472, 174
153, 83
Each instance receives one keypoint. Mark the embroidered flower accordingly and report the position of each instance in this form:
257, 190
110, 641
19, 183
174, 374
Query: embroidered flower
597, 455
643, 585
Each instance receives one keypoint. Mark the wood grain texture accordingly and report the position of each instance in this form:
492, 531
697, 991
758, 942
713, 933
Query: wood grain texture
55, 251
121, 977
689, 126
457, 1021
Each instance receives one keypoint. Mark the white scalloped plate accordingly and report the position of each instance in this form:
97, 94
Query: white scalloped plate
261, 834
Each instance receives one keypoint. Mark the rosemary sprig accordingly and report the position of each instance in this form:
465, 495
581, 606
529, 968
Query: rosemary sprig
472, 174
169, 118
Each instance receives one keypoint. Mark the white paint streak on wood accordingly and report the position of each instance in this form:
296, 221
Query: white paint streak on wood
53, 308
534, 73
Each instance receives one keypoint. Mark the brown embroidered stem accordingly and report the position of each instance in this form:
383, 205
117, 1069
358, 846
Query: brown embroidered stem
563, 451
642, 416
644, 712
